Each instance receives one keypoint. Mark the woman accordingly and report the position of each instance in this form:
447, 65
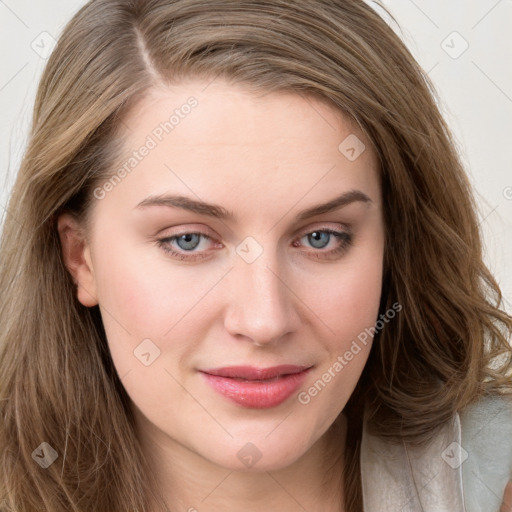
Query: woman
242, 270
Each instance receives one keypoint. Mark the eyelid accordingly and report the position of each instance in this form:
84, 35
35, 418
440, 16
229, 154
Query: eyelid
184, 229
209, 233
321, 226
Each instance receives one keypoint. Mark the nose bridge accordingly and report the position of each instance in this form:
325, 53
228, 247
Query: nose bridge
262, 305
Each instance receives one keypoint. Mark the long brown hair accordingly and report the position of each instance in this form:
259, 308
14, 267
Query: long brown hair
447, 347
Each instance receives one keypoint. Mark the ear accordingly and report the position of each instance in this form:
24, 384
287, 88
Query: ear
77, 258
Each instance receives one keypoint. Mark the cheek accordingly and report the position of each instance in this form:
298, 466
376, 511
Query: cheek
350, 310
143, 297
348, 303
129, 298
349, 306
132, 301
143, 292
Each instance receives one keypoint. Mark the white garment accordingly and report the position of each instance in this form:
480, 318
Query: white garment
464, 469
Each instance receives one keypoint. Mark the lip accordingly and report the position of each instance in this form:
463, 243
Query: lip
256, 388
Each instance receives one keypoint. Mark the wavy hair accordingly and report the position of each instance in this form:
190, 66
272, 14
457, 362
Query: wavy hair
449, 345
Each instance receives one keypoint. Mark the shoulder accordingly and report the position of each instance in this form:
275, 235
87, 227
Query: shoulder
486, 440
464, 468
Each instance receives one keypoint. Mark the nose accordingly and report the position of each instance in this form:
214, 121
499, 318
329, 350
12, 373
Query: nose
262, 305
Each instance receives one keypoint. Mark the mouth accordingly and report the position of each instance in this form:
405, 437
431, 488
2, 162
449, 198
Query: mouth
256, 388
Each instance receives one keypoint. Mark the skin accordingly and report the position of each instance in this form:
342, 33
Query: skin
265, 158
506, 505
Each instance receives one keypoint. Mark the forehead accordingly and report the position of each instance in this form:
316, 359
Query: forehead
216, 139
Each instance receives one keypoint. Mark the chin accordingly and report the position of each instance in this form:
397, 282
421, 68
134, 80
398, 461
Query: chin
259, 455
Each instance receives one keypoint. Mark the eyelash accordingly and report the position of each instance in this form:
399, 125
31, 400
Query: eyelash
345, 240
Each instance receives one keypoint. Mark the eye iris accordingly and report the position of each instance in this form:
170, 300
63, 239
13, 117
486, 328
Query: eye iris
319, 239
189, 241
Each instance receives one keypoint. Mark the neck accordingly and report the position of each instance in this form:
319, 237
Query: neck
190, 483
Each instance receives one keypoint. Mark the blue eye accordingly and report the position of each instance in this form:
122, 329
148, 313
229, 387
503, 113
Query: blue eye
319, 239
189, 241
189, 246
186, 244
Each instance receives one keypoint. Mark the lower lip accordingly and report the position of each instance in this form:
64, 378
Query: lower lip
257, 394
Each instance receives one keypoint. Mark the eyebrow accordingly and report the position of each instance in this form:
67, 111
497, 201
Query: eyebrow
219, 212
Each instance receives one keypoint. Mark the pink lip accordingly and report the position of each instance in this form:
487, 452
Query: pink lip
257, 388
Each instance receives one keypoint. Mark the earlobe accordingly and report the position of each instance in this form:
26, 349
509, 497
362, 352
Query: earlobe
77, 258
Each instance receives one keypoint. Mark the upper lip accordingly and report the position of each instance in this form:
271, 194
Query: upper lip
253, 373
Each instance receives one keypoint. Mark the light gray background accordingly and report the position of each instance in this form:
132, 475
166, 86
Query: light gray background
475, 85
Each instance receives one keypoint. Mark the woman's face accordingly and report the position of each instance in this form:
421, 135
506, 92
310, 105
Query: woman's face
244, 231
